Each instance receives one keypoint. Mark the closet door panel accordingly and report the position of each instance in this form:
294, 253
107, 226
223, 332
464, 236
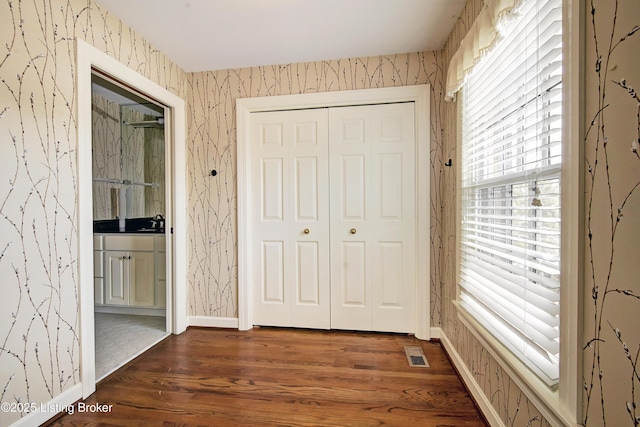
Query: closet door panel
273, 263
354, 275
308, 273
352, 190
375, 209
272, 197
393, 217
307, 187
390, 273
390, 188
289, 149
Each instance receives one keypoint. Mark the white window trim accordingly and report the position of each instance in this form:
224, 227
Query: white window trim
561, 405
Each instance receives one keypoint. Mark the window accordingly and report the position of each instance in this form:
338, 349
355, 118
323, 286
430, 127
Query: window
511, 106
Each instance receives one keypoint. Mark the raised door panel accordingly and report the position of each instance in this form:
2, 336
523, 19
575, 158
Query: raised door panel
116, 278
98, 276
306, 188
390, 255
352, 187
129, 242
390, 188
307, 274
350, 296
141, 274
98, 290
273, 263
272, 191
160, 273
98, 264
354, 274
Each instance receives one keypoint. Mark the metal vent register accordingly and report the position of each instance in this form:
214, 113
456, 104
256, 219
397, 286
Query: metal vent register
415, 356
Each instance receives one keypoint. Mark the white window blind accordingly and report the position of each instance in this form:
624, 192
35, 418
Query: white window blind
510, 187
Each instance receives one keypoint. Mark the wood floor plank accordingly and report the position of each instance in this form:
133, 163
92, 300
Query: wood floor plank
282, 377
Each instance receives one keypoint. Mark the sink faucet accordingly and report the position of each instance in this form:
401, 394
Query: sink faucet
158, 221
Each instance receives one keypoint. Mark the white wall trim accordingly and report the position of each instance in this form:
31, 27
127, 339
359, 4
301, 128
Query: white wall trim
88, 57
479, 396
572, 243
420, 94
45, 411
436, 332
214, 322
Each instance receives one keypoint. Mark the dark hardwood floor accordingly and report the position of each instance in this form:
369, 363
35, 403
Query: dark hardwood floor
282, 377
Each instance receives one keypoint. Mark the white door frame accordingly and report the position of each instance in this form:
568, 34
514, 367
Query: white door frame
245, 106
89, 57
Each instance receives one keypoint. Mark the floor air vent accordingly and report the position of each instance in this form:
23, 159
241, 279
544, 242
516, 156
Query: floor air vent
415, 356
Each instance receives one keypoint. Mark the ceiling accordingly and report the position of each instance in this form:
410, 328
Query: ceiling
203, 35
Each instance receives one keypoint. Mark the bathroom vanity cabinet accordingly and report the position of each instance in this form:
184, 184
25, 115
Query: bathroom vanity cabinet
129, 270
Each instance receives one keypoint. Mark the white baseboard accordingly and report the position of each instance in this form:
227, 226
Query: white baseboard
47, 410
436, 332
136, 311
214, 322
481, 399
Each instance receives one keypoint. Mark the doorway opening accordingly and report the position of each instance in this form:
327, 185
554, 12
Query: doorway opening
129, 233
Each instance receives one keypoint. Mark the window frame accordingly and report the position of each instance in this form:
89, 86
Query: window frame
560, 405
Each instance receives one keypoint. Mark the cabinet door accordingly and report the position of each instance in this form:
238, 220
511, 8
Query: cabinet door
141, 275
161, 281
116, 278
98, 290
98, 277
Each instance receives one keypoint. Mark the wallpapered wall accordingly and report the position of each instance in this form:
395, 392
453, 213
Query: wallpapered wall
611, 214
39, 329
212, 145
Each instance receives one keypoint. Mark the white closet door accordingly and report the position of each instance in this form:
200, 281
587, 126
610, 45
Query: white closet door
373, 217
290, 218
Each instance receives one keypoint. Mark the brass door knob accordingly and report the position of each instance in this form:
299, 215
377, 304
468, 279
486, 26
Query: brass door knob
306, 231
352, 231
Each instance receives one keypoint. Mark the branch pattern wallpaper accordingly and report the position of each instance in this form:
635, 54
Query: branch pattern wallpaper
611, 351
39, 318
39, 312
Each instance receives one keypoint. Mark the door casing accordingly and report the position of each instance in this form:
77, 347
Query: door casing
418, 94
88, 58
